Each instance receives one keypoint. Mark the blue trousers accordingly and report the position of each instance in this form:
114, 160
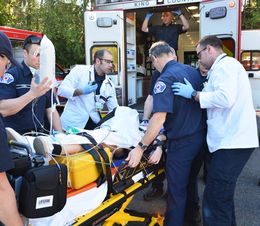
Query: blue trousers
192, 202
218, 200
179, 159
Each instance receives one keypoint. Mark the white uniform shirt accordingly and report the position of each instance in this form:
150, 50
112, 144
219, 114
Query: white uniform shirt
78, 109
228, 99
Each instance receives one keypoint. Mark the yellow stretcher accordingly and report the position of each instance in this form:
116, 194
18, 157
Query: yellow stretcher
113, 210
118, 190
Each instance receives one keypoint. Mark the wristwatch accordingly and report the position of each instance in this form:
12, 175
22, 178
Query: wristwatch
142, 146
194, 94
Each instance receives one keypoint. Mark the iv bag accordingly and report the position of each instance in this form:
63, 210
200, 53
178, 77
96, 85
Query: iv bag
47, 60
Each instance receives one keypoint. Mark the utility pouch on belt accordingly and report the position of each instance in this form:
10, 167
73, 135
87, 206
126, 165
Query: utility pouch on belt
43, 191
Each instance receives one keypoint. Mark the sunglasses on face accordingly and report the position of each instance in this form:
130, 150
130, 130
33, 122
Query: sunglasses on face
36, 53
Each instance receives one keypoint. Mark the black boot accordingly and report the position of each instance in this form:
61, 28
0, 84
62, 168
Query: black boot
193, 218
153, 193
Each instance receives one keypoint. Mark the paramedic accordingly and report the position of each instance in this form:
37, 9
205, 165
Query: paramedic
8, 210
168, 31
88, 88
232, 129
192, 213
24, 103
156, 190
185, 127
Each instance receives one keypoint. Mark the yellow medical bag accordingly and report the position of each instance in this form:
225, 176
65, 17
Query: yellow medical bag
82, 167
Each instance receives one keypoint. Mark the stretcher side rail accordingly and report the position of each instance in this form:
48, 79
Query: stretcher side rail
124, 188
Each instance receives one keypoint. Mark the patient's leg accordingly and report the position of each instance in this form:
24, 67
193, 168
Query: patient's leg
43, 145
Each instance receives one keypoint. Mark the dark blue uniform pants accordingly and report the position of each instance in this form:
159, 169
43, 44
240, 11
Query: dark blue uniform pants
179, 159
192, 203
218, 201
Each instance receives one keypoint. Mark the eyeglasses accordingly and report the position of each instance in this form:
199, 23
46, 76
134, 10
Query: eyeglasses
199, 53
107, 61
32, 40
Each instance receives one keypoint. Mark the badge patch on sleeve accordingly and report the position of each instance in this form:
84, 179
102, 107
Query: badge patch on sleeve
159, 87
6, 79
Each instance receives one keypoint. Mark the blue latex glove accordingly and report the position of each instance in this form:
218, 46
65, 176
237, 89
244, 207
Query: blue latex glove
183, 90
177, 11
148, 16
87, 89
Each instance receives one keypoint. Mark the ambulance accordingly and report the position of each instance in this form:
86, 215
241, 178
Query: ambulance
116, 25
250, 59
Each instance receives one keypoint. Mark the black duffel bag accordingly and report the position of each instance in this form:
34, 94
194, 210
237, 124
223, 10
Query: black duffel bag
43, 191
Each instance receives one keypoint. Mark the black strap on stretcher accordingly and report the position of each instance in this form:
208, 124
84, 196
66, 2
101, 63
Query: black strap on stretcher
101, 179
105, 157
107, 117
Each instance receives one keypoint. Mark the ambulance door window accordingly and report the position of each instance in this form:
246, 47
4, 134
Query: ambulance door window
229, 46
255, 60
245, 60
113, 49
251, 60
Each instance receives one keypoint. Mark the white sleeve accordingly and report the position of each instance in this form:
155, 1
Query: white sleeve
112, 101
70, 83
222, 84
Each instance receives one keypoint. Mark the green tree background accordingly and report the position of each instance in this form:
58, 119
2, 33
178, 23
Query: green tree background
251, 15
62, 21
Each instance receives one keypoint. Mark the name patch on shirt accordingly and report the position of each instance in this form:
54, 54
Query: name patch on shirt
159, 87
6, 78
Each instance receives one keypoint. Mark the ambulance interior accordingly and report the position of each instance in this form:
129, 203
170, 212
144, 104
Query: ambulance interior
186, 52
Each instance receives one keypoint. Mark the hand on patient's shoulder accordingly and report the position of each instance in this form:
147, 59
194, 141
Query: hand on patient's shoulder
38, 90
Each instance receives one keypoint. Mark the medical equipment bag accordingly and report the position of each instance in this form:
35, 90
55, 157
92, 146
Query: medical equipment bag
84, 167
43, 191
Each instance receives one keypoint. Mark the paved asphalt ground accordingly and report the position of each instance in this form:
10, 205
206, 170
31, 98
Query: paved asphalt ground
247, 195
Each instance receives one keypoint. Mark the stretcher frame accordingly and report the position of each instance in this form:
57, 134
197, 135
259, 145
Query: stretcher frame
113, 211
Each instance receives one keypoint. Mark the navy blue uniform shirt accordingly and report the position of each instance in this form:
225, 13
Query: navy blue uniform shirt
99, 80
15, 83
155, 76
6, 162
169, 34
184, 116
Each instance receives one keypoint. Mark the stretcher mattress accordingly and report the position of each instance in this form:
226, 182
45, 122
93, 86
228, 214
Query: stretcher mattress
83, 201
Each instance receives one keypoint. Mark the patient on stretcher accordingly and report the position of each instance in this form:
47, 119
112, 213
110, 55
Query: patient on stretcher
117, 133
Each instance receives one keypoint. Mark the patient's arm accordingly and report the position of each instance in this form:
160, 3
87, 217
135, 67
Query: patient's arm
70, 149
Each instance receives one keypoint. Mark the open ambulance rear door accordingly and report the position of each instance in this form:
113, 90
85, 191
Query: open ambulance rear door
105, 30
223, 19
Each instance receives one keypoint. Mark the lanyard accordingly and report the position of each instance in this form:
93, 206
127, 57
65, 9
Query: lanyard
208, 76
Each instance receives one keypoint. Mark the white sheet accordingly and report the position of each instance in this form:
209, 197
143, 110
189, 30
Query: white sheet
76, 206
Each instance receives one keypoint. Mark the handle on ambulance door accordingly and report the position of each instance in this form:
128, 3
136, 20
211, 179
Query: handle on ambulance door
251, 75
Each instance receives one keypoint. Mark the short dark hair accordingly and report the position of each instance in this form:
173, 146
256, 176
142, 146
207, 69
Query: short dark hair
99, 54
211, 40
159, 48
31, 39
